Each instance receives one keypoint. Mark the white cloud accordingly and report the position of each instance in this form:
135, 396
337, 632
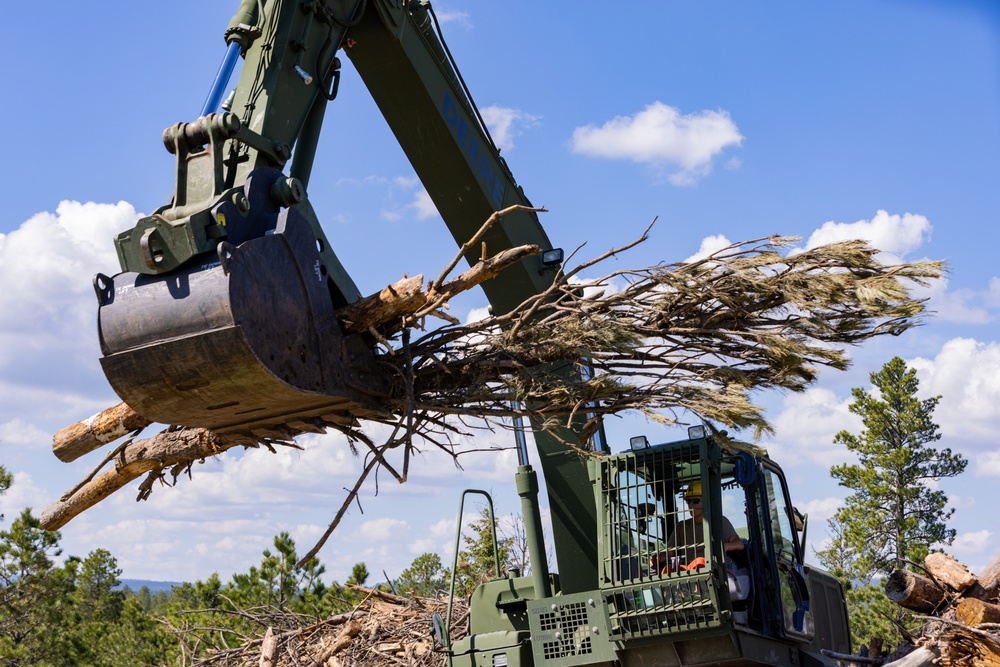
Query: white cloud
893, 234
477, 315
17, 433
993, 293
454, 17
966, 374
383, 530
660, 136
806, 425
423, 205
958, 306
47, 333
23, 492
709, 244
820, 509
505, 123
971, 543
987, 464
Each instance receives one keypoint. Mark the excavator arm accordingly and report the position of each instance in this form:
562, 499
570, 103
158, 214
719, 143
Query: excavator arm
224, 314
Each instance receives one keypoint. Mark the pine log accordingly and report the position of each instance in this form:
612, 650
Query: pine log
913, 591
972, 612
487, 268
921, 657
106, 426
404, 297
987, 586
351, 630
163, 450
947, 570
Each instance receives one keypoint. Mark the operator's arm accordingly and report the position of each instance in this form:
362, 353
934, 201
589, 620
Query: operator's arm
731, 541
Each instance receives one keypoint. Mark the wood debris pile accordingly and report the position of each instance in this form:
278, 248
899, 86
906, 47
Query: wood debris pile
385, 630
961, 613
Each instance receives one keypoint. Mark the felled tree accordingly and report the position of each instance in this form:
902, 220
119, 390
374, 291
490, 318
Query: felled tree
689, 338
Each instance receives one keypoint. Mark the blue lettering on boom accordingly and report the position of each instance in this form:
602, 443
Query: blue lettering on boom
477, 155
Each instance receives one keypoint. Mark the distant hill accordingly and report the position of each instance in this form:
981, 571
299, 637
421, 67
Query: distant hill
154, 586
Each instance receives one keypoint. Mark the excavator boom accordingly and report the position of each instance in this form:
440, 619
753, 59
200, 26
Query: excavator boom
225, 313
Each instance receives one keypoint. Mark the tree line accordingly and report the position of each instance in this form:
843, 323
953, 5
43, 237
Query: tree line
78, 613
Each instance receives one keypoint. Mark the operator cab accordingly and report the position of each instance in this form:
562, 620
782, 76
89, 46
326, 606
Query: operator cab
681, 517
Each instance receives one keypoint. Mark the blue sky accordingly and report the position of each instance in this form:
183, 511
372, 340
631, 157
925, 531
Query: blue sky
725, 119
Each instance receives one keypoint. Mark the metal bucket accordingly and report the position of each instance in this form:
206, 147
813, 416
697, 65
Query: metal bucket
246, 341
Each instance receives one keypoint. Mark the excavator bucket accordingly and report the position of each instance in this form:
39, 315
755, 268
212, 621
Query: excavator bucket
245, 343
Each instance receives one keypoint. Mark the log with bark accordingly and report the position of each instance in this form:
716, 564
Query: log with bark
914, 592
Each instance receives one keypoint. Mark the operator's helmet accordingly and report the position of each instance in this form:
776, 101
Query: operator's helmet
693, 490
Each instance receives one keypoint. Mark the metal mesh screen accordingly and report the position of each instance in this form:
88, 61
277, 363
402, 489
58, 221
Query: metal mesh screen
656, 557
571, 632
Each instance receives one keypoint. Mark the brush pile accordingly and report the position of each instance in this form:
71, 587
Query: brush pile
384, 630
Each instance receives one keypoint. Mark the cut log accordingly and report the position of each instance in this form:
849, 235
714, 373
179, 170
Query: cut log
987, 587
343, 640
948, 571
106, 426
164, 450
972, 611
913, 591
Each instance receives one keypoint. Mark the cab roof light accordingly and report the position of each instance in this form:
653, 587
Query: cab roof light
638, 442
696, 432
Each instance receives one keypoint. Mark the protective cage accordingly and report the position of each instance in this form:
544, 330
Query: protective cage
657, 561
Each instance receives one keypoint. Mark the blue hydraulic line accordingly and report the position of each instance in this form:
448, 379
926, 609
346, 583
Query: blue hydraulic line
222, 79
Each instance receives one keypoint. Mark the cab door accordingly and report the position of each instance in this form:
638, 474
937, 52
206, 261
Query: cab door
786, 557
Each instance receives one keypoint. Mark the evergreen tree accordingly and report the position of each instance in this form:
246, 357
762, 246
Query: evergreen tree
36, 596
359, 575
6, 479
423, 578
476, 563
96, 587
893, 515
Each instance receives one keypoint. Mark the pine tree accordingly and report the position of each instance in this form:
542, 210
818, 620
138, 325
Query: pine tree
6, 479
476, 563
423, 578
35, 595
97, 594
893, 516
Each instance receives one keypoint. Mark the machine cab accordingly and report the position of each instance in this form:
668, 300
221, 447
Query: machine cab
697, 540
